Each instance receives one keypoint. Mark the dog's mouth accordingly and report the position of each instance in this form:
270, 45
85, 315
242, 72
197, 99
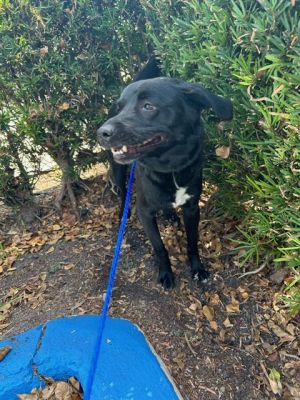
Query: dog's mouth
131, 150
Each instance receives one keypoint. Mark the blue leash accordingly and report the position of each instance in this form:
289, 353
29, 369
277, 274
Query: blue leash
114, 265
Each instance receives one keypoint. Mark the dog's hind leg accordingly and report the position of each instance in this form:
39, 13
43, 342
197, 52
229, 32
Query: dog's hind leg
165, 274
191, 216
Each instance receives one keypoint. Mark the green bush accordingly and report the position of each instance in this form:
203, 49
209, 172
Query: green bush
60, 64
15, 183
250, 52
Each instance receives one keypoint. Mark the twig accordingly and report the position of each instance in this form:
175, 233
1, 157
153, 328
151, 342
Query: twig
106, 187
264, 369
189, 344
208, 390
256, 271
37, 217
290, 355
48, 215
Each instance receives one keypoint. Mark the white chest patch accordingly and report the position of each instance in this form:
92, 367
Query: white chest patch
181, 197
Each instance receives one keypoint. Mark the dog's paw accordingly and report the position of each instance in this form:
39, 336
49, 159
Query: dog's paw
200, 274
166, 279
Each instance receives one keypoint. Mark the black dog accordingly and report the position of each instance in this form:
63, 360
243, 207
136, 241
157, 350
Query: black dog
157, 123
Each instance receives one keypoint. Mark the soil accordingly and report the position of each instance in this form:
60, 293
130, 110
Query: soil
219, 340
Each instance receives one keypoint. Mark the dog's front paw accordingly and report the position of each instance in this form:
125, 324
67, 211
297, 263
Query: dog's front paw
199, 273
166, 279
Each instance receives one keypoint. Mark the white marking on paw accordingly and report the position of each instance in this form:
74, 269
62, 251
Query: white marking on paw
181, 197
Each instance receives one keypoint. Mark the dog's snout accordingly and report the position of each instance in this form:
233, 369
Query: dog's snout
105, 132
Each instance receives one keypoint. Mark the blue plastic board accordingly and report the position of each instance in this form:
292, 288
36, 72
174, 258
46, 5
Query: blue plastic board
128, 369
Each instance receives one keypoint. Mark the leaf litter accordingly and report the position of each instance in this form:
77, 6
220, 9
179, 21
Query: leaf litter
56, 390
242, 333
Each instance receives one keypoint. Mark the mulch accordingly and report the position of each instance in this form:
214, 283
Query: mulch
232, 338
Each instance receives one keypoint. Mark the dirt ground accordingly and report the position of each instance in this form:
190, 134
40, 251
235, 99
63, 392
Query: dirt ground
231, 338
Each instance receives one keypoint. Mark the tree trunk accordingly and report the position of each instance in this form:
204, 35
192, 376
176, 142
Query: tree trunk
18, 188
69, 180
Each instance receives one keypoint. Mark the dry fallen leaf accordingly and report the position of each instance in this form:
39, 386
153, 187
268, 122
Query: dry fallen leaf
48, 392
213, 325
67, 267
10, 260
44, 51
294, 392
243, 293
56, 227
28, 396
56, 238
4, 351
233, 307
56, 390
43, 276
208, 312
69, 219
64, 106
182, 258
63, 391
283, 335
50, 250
223, 152
74, 382
274, 380
291, 329
179, 362
227, 323
193, 306
278, 89
214, 299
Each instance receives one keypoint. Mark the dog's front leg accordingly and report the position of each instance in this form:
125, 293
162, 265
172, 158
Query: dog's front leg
165, 274
191, 216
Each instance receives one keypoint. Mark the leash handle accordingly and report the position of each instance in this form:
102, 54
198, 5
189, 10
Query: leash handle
111, 279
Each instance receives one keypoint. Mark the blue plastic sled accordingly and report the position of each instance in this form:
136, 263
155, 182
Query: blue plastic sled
128, 368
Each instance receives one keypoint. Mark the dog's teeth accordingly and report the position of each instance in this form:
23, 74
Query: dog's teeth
116, 152
124, 149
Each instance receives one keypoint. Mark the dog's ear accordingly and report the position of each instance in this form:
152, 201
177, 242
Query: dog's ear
150, 70
203, 98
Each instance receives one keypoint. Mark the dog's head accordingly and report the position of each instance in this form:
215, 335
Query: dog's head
158, 116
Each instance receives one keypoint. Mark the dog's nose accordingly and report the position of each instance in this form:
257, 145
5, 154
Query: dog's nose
105, 132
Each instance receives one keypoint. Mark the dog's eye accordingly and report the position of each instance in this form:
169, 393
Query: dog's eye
149, 107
